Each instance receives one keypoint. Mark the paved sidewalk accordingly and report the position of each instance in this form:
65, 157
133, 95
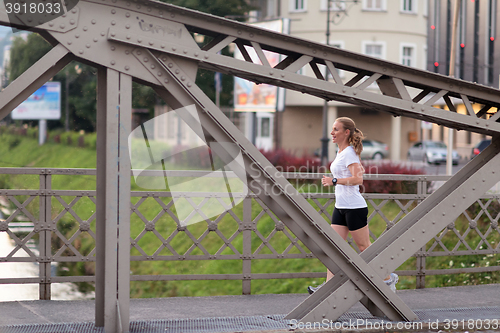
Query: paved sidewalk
486, 297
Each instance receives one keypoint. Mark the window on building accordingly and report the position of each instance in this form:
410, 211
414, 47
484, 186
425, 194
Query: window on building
374, 49
160, 126
298, 5
335, 5
424, 63
408, 55
374, 5
265, 130
339, 45
409, 6
490, 44
171, 120
271, 8
183, 127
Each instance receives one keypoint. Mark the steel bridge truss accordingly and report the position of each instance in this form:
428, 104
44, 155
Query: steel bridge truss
153, 43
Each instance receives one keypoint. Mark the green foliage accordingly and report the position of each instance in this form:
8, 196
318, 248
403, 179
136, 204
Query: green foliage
13, 142
32, 132
225, 8
70, 138
82, 81
141, 155
29, 154
90, 140
144, 97
25, 53
76, 139
82, 95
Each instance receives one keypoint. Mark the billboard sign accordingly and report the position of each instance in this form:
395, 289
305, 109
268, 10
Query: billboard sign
45, 103
251, 97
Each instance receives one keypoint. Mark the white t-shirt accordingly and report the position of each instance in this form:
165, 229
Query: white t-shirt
346, 197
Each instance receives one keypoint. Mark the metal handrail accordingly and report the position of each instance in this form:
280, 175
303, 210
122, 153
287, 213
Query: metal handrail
247, 226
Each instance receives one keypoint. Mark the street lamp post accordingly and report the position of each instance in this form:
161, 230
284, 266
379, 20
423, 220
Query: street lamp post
324, 139
343, 8
449, 154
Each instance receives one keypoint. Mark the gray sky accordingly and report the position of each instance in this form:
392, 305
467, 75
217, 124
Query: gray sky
4, 31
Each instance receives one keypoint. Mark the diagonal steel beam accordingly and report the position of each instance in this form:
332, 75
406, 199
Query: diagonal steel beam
33, 78
354, 275
287, 45
181, 22
410, 234
191, 21
300, 217
395, 103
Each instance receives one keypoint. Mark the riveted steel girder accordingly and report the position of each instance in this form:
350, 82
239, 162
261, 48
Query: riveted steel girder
294, 210
299, 53
33, 78
152, 43
408, 235
166, 28
114, 117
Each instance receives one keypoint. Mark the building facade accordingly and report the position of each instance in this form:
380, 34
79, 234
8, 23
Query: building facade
411, 32
393, 30
477, 56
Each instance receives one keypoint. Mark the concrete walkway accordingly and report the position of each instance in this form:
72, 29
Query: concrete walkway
47, 312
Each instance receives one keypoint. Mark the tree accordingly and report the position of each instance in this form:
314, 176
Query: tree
223, 8
24, 53
82, 87
82, 97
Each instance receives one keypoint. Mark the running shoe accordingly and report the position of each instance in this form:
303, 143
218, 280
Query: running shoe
391, 282
312, 289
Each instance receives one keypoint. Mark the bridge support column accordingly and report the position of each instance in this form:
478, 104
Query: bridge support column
114, 107
332, 147
45, 236
396, 139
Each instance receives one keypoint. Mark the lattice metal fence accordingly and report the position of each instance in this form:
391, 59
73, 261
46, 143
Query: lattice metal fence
61, 225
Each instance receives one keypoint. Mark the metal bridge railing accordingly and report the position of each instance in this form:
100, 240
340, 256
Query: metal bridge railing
62, 224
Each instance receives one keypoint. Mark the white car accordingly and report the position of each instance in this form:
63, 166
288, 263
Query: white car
431, 152
374, 150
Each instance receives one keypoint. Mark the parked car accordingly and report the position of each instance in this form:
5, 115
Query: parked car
480, 147
431, 152
374, 150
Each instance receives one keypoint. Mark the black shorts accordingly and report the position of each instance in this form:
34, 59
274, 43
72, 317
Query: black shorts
353, 219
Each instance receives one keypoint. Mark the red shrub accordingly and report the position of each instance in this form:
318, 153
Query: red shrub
390, 186
198, 157
285, 161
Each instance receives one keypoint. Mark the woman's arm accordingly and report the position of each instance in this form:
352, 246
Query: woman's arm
356, 170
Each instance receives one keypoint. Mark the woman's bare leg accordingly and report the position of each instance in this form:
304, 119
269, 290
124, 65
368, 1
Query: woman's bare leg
343, 232
362, 238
